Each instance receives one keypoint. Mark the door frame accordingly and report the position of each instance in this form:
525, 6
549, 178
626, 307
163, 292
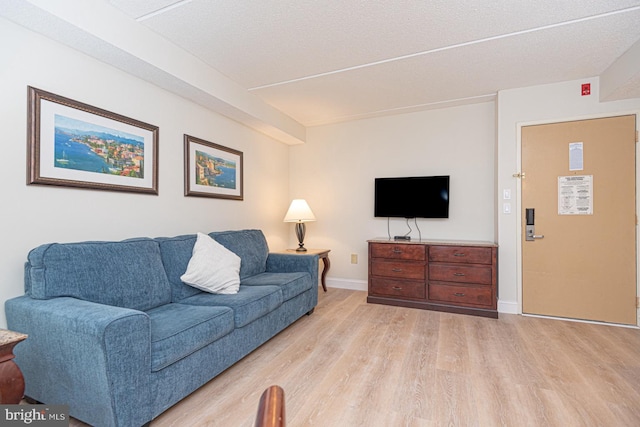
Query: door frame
518, 207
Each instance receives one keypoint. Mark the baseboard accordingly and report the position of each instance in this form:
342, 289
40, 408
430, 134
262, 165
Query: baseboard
354, 285
508, 307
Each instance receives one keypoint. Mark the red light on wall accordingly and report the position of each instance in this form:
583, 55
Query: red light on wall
586, 89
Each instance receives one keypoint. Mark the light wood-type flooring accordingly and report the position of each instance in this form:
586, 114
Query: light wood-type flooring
356, 364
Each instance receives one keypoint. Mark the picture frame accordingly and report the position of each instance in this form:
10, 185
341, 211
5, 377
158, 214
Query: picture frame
73, 144
212, 170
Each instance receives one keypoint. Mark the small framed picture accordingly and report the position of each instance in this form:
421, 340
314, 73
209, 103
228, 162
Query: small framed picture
211, 170
72, 144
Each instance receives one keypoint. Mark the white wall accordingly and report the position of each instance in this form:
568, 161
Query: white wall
335, 170
546, 103
32, 215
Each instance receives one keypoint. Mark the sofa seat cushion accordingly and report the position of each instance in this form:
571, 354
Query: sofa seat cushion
177, 330
291, 284
249, 304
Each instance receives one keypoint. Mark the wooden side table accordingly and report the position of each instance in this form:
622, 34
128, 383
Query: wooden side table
323, 254
11, 379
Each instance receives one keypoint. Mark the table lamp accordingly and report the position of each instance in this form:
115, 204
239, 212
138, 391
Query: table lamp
299, 212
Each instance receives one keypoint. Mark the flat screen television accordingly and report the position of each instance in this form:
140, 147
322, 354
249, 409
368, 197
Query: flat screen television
412, 197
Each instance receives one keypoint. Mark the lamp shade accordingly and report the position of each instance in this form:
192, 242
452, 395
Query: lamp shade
299, 211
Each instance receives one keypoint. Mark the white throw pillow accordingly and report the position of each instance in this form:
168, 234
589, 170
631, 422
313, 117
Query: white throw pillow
212, 267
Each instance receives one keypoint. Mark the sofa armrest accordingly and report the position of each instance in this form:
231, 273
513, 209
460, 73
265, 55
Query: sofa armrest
287, 263
95, 358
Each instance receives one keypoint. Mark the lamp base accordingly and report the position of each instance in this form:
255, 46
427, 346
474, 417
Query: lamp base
300, 230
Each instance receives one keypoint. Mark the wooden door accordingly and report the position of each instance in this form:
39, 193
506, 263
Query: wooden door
585, 265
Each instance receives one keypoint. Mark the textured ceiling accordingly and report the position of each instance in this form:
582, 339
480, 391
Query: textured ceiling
280, 65
321, 61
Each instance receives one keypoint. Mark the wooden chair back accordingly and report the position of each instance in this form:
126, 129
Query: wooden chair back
271, 408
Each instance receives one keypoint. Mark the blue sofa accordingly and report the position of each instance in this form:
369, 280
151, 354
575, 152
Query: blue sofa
115, 334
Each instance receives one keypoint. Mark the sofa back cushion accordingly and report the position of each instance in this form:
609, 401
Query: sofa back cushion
250, 245
176, 253
126, 274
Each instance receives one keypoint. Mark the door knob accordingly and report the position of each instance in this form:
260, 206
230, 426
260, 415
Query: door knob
530, 236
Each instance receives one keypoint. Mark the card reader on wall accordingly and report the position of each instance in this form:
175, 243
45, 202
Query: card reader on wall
401, 237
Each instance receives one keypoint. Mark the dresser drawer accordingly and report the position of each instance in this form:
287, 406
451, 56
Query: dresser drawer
398, 269
464, 254
398, 288
476, 296
405, 252
460, 273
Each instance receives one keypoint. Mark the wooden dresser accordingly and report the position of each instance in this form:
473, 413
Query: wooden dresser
454, 276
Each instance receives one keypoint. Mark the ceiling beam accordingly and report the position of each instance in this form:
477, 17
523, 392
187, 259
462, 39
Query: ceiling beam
103, 32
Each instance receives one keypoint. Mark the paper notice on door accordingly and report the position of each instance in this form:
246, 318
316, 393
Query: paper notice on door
576, 156
575, 195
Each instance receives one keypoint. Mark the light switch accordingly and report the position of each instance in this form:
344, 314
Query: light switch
506, 208
506, 194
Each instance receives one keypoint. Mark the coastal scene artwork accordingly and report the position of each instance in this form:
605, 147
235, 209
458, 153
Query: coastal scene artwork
87, 147
72, 144
212, 170
215, 171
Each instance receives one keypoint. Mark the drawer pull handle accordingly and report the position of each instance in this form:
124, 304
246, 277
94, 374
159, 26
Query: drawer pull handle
397, 251
459, 294
396, 270
459, 255
397, 288
459, 274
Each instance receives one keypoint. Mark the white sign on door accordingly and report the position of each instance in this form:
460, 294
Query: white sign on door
575, 195
576, 156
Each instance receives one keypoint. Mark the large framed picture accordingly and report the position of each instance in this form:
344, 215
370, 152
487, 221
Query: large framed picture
72, 144
211, 170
